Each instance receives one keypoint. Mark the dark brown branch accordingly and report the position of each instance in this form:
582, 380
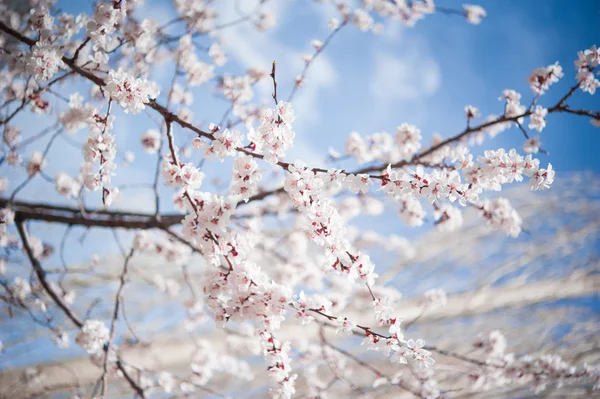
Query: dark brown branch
138, 390
41, 274
89, 217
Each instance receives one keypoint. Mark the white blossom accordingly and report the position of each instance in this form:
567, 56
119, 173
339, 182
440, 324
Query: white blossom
151, 141
537, 118
93, 335
474, 13
130, 93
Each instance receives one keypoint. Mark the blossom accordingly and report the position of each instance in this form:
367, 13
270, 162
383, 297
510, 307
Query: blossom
110, 195
266, 21
78, 116
237, 89
275, 135
501, 214
151, 141
36, 163
166, 381
356, 147
494, 344
587, 81
537, 118
62, 340
93, 335
130, 93
11, 136
216, 53
104, 22
420, 355
448, 218
197, 72
345, 325
513, 105
100, 147
541, 78
474, 13
184, 176
224, 144
542, 179
532, 145
40, 19
245, 177
589, 58
333, 23
21, 288
358, 183
362, 20
66, 185
411, 211
408, 139
3, 184
44, 60
471, 112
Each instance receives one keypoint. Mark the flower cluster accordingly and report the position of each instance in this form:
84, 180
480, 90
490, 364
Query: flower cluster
78, 116
502, 215
587, 61
540, 372
20, 288
151, 141
179, 175
474, 13
44, 60
207, 223
92, 337
538, 121
198, 15
325, 226
104, 22
278, 360
402, 350
197, 72
409, 13
245, 177
402, 146
246, 293
100, 147
275, 135
224, 144
36, 163
66, 185
206, 362
500, 167
175, 253
130, 93
237, 89
541, 78
513, 107
447, 218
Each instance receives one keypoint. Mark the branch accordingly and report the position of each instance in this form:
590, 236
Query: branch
113, 323
41, 274
89, 217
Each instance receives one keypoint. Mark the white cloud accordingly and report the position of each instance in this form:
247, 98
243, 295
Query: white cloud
252, 48
410, 75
